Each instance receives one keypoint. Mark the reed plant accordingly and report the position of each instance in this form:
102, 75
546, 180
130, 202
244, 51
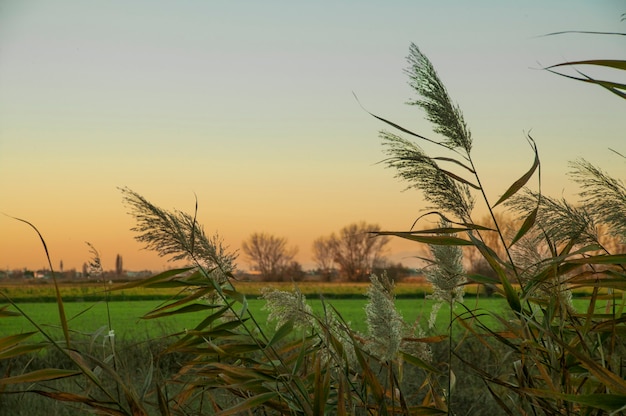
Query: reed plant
545, 356
564, 361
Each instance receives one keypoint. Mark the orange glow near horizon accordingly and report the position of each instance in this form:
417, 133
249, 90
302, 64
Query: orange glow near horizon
253, 111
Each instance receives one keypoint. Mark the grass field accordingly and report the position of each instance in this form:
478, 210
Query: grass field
89, 314
87, 318
125, 316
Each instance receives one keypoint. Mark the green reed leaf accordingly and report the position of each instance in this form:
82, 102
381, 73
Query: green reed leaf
196, 307
431, 239
419, 363
39, 375
478, 278
601, 259
528, 223
460, 179
604, 401
20, 350
608, 63
102, 407
284, 330
449, 159
11, 340
61, 307
4, 312
614, 87
154, 279
426, 411
492, 259
321, 388
519, 184
253, 402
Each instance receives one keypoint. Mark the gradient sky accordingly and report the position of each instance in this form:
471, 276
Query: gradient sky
250, 106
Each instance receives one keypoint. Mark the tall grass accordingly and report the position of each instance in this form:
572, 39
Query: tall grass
543, 357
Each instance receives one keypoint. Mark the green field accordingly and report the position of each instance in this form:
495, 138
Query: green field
89, 317
126, 319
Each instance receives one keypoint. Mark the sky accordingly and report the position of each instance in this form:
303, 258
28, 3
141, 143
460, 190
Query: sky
250, 106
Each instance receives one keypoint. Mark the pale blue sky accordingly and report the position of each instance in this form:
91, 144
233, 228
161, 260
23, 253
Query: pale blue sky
250, 106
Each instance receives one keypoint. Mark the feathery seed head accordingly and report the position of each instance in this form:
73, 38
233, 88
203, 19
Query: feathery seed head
287, 306
383, 320
422, 172
178, 235
436, 102
446, 275
605, 196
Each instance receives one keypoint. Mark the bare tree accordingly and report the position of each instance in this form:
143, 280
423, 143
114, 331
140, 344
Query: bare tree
323, 255
269, 254
356, 250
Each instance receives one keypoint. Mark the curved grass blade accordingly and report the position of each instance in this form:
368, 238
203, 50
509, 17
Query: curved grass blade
18, 350
459, 179
253, 402
12, 340
75, 398
397, 126
587, 32
608, 63
605, 401
449, 159
4, 312
519, 184
154, 279
441, 240
614, 87
45, 374
196, 307
442, 230
426, 411
526, 225
468, 226
511, 295
284, 330
62, 317
601, 259
419, 363
321, 389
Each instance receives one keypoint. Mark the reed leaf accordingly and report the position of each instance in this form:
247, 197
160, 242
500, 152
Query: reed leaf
284, 330
20, 349
4, 312
600, 259
431, 239
102, 407
45, 374
607, 402
158, 278
456, 162
526, 226
321, 388
253, 402
607, 63
59, 299
459, 178
11, 340
196, 307
521, 182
